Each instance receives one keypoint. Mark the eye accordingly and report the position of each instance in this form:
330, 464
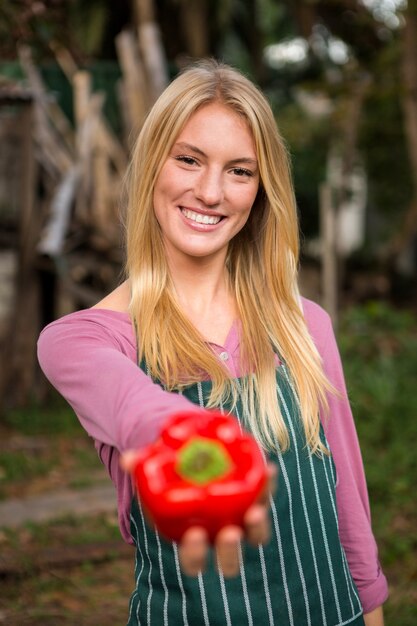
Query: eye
188, 160
241, 172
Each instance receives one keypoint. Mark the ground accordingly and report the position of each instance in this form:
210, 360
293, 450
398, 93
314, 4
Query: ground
73, 569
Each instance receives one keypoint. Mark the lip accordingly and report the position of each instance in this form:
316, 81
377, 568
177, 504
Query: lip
201, 211
197, 226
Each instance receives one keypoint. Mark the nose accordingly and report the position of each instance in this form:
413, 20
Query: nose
209, 187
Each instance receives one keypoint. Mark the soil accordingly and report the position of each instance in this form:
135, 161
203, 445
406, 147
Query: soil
62, 559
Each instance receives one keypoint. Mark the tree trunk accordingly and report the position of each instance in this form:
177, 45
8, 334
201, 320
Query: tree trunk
194, 21
409, 104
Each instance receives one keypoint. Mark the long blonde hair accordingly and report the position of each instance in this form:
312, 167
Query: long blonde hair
262, 261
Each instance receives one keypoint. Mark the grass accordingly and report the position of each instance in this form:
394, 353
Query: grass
43, 448
90, 593
57, 418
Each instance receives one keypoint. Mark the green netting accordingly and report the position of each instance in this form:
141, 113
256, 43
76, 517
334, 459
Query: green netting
105, 75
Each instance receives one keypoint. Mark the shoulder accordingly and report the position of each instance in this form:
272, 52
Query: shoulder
108, 318
92, 325
117, 300
318, 322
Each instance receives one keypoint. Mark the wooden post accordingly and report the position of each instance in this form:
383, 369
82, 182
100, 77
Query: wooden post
56, 149
105, 136
52, 239
151, 48
18, 363
153, 56
328, 252
194, 15
81, 82
135, 89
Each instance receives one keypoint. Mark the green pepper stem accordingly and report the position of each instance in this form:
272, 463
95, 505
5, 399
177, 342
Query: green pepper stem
203, 460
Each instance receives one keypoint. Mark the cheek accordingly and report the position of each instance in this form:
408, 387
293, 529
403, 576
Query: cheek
162, 192
168, 187
246, 200
157, 202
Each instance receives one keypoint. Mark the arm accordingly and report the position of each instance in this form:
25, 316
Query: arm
351, 492
90, 358
375, 617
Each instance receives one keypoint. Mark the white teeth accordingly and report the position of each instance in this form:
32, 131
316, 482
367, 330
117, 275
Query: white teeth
201, 219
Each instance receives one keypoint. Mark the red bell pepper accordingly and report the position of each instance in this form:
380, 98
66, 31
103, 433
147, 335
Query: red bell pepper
202, 471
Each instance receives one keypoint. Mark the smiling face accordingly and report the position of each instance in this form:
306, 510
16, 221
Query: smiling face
207, 186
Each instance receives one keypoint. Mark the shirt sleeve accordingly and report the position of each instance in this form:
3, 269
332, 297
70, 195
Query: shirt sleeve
90, 363
351, 491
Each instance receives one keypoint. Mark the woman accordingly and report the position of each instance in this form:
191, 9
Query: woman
211, 309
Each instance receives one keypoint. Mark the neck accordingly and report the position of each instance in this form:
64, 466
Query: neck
203, 291
199, 282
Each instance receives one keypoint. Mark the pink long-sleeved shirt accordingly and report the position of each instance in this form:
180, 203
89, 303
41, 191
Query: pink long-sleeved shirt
90, 357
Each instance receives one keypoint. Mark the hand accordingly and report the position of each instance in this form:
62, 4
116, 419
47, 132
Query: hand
194, 545
375, 617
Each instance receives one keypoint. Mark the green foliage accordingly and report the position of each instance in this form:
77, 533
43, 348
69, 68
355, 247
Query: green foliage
89, 20
56, 418
42, 444
308, 141
383, 143
379, 347
17, 466
379, 351
74, 530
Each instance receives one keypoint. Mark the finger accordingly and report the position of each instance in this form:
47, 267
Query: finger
227, 550
128, 460
271, 484
192, 551
257, 524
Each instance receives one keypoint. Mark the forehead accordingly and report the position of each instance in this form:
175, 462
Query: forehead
216, 122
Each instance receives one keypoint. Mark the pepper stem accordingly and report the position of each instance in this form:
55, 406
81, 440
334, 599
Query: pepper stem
202, 461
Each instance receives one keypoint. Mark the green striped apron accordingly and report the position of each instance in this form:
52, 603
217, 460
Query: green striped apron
300, 577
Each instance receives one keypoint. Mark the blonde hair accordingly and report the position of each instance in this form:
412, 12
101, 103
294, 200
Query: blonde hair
262, 261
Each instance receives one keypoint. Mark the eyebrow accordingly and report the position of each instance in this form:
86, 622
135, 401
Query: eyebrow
189, 146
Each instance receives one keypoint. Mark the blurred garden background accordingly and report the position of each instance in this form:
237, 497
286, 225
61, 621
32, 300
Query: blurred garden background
76, 80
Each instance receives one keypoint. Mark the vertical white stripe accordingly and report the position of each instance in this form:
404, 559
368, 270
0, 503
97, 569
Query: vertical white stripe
184, 599
266, 587
145, 537
303, 500
332, 471
200, 395
355, 593
245, 587
326, 544
332, 467
131, 605
323, 530
164, 585
200, 576
225, 601
203, 599
239, 386
281, 560
261, 555
241, 564
138, 549
345, 566
346, 570
141, 569
294, 538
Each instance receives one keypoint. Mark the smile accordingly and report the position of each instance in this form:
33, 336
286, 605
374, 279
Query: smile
199, 218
